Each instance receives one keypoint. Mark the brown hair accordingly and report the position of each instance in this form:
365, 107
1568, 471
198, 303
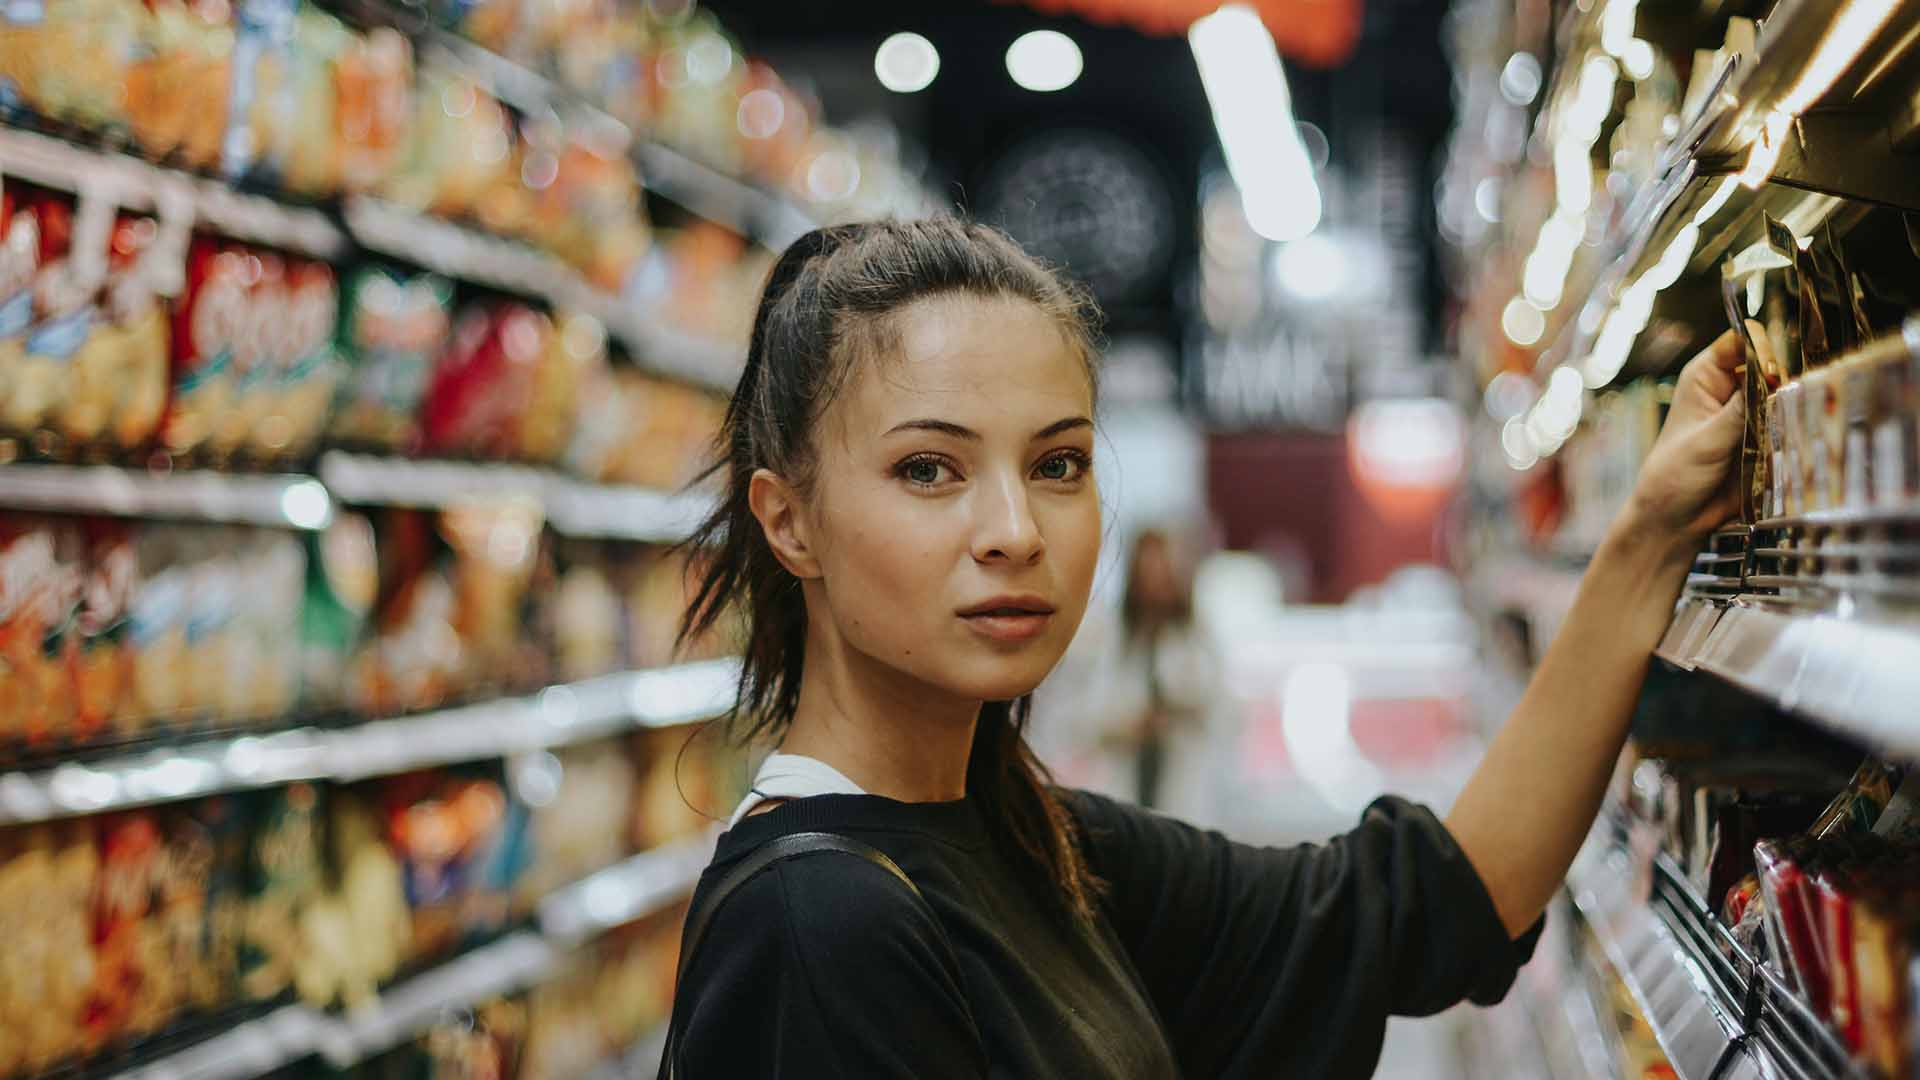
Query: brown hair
828, 301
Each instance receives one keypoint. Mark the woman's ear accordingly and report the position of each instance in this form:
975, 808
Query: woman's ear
777, 507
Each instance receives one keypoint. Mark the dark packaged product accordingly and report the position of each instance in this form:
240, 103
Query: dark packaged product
393, 326
103, 661
412, 657
342, 582
227, 884
286, 872
1860, 803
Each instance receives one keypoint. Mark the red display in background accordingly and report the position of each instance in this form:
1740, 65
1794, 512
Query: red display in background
1293, 496
1318, 33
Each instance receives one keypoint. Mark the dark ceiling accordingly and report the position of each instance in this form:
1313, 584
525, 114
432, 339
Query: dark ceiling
1143, 90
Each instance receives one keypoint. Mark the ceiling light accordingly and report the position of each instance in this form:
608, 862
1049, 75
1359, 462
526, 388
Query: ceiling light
1247, 91
1044, 61
906, 63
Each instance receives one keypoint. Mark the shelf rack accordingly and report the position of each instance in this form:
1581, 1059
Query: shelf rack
297, 501
1716, 1012
1826, 156
622, 893
560, 715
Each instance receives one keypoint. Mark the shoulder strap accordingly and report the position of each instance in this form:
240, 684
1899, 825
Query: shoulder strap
786, 847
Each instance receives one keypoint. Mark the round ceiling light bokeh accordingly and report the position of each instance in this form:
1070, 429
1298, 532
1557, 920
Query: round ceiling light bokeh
1044, 61
906, 63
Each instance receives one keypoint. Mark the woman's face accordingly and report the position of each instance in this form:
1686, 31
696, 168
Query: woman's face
954, 516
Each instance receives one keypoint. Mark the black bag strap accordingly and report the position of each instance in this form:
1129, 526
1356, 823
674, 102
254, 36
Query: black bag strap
786, 847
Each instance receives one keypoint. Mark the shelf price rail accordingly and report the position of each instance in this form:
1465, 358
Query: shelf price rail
1717, 1012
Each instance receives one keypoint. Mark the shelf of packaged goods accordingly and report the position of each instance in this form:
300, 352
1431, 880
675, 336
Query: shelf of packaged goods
1716, 1013
276, 501
626, 891
133, 184
573, 507
513, 963
1856, 676
457, 251
521, 959
714, 195
560, 715
1825, 156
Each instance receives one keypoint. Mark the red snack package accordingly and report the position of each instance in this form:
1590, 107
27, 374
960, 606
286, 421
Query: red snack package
484, 380
308, 367
63, 313
1793, 927
1836, 933
123, 893
207, 326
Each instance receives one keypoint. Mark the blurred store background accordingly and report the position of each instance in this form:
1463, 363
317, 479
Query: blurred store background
359, 358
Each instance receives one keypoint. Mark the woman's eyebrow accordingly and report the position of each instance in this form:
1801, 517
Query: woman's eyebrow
943, 427
1059, 426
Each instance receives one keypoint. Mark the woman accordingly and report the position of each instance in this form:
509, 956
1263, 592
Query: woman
1164, 676
911, 527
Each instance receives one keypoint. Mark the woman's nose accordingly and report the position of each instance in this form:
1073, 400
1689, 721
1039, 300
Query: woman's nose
1005, 529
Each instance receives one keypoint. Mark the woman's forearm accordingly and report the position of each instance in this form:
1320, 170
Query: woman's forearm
1529, 805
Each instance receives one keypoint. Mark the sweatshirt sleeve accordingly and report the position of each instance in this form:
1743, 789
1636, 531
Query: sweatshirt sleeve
1288, 961
825, 966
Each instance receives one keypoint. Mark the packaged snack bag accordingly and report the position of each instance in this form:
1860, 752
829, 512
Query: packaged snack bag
440, 828
393, 326
374, 77
484, 380
19, 265
307, 369
303, 146
364, 924
412, 657
177, 919
162, 693
178, 85
259, 348
40, 574
103, 664
228, 835
47, 877
208, 325
262, 47
495, 548
68, 60
286, 873
545, 426
63, 316
342, 581
123, 948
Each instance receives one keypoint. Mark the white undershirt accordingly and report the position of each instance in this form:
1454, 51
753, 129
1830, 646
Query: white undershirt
793, 776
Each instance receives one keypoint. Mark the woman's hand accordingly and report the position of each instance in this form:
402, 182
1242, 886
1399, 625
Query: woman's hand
1690, 482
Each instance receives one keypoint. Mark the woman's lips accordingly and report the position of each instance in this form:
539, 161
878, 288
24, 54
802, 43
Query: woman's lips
1009, 625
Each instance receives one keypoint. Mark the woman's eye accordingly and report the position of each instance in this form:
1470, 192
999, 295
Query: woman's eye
924, 472
1060, 467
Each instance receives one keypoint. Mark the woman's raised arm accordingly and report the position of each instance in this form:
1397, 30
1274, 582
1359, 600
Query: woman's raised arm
1527, 808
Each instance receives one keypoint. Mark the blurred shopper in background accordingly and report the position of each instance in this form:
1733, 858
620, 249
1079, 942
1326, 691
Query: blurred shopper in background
1165, 675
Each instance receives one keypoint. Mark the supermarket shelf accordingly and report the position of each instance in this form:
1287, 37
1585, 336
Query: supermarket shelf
254, 1048
138, 185
621, 893
603, 511
519, 960
515, 962
1716, 1013
1855, 676
557, 716
281, 501
718, 197
465, 253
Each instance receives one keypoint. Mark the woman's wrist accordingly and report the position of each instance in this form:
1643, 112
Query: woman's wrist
1647, 548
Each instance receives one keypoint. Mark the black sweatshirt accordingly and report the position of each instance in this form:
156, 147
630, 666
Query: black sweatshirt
1209, 958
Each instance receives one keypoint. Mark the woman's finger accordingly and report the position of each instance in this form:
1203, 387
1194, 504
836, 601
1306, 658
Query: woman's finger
1714, 369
